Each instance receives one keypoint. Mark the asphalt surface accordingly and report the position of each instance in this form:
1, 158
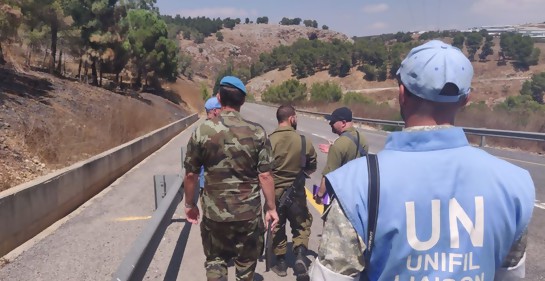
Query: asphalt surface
90, 243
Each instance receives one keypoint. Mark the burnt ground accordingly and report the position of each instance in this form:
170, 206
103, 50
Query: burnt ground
39, 111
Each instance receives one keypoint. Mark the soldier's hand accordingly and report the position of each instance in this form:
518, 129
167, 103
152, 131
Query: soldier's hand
192, 214
324, 147
272, 217
318, 199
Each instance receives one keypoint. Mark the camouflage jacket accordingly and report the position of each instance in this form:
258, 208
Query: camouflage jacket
286, 150
233, 152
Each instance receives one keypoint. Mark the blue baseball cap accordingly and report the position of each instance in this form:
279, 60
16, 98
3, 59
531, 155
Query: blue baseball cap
429, 67
232, 81
212, 103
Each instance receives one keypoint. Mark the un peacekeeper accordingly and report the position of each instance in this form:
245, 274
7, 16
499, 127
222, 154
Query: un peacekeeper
236, 156
286, 150
447, 210
213, 109
350, 145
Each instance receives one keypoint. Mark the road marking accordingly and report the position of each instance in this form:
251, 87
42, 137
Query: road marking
318, 207
133, 218
506, 158
540, 205
322, 137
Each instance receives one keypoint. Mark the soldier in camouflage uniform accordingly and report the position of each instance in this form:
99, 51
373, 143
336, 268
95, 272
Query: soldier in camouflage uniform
286, 148
236, 156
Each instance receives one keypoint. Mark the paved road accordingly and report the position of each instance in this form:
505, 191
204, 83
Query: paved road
91, 242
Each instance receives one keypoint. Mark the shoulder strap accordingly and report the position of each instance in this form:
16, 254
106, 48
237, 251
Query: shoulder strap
303, 153
373, 199
356, 141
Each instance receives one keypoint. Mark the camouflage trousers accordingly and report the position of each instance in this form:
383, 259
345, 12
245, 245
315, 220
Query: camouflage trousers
300, 221
238, 240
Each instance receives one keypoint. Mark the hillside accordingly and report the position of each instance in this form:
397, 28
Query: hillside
244, 43
47, 123
492, 82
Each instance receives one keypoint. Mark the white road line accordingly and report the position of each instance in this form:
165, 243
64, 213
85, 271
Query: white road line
540, 205
322, 137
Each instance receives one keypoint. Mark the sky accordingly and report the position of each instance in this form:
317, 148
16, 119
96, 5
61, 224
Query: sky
362, 18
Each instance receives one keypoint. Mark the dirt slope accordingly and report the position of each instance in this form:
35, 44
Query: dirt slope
48, 123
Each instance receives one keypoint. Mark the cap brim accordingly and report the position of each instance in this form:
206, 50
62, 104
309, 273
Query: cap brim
328, 117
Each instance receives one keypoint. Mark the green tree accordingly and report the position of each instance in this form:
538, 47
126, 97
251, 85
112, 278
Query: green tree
351, 98
458, 41
186, 35
486, 50
473, 43
246, 20
150, 48
309, 23
535, 87
325, 92
289, 91
199, 38
370, 72
325, 27
205, 93
52, 13
10, 18
264, 20
219, 36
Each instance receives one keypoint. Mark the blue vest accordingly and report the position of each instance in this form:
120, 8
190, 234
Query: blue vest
448, 211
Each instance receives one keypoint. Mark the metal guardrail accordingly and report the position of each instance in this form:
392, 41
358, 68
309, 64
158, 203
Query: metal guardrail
483, 132
168, 191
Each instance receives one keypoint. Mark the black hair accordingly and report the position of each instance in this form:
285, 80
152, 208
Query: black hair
284, 112
231, 96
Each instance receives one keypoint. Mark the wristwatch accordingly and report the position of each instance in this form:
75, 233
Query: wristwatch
189, 206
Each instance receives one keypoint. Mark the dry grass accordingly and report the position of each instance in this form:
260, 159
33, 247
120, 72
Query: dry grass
82, 137
476, 116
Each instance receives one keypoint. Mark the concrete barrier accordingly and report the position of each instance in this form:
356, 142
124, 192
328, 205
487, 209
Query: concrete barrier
28, 209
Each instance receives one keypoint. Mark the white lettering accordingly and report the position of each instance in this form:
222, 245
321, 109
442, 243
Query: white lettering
434, 263
476, 231
418, 263
435, 226
453, 262
444, 261
471, 266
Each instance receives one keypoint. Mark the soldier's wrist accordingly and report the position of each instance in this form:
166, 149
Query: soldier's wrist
189, 205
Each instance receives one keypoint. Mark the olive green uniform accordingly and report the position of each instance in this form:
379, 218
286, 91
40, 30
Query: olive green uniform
343, 150
286, 150
233, 152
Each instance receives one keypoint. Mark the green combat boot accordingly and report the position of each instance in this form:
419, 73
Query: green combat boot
281, 267
300, 268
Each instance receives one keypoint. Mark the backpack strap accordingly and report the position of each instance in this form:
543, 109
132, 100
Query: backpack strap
373, 199
303, 153
361, 151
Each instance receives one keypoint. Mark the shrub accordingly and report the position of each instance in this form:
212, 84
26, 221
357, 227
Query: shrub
357, 98
289, 91
325, 92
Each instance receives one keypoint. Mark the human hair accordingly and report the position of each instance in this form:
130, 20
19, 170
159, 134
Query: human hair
284, 112
231, 96
432, 106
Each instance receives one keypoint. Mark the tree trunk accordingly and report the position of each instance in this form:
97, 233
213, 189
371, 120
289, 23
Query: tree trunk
45, 57
29, 57
94, 73
52, 59
59, 65
2, 60
79, 67
100, 73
